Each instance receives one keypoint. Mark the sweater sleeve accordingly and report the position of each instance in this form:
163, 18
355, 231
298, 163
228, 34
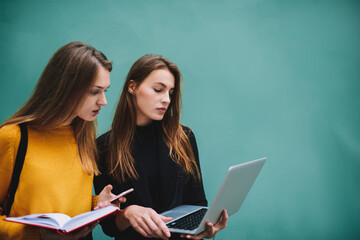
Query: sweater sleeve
9, 141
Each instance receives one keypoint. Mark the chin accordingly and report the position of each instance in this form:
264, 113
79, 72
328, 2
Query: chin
89, 119
158, 118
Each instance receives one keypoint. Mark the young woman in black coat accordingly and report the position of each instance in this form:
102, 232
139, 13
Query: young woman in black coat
149, 150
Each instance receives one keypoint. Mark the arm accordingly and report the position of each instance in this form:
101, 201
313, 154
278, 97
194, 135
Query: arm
9, 141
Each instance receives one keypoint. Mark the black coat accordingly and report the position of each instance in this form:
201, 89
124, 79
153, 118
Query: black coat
175, 188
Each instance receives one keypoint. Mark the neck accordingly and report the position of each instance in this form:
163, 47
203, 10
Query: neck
143, 123
67, 122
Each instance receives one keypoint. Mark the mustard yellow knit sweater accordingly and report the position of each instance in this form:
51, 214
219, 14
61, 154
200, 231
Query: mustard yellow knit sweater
52, 179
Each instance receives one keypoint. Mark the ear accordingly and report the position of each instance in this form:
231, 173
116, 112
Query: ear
132, 86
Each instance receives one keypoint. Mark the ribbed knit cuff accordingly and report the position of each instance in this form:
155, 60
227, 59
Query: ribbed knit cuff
94, 201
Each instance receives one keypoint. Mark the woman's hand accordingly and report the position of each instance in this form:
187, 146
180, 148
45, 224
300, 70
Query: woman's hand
104, 197
144, 220
211, 230
47, 234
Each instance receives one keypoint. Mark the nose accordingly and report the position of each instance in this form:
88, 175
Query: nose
102, 100
166, 98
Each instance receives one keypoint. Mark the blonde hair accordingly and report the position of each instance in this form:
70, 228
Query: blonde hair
60, 90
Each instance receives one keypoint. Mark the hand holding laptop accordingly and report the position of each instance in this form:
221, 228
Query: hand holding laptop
193, 220
211, 230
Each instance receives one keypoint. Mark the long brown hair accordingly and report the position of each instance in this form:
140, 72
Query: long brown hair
121, 162
60, 90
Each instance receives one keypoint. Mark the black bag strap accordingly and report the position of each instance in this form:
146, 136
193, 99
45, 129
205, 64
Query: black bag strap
19, 162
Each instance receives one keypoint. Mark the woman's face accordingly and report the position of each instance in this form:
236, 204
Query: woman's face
152, 96
96, 96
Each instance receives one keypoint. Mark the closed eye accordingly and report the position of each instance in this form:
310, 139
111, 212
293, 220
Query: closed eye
97, 91
157, 90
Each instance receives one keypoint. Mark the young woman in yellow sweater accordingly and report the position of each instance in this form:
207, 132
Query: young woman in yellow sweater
59, 164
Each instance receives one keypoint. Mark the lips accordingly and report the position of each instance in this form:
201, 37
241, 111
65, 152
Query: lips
162, 110
96, 111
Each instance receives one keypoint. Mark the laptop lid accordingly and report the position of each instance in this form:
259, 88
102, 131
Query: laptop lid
230, 196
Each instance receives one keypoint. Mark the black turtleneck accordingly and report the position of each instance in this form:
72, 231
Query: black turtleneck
146, 154
162, 184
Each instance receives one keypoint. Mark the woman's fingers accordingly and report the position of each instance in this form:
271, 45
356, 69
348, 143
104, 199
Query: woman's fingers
105, 196
161, 226
153, 225
211, 230
118, 201
165, 219
142, 227
223, 222
147, 222
208, 233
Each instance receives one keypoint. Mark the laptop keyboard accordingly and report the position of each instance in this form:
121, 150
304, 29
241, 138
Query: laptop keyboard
189, 222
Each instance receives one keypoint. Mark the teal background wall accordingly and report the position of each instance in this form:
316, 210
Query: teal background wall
271, 78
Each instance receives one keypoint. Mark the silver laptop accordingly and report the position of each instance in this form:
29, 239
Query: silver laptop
190, 219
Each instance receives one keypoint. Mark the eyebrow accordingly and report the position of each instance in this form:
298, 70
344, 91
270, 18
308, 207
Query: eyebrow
101, 87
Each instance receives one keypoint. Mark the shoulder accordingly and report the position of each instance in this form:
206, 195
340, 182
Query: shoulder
10, 129
191, 136
9, 143
188, 131
10, 134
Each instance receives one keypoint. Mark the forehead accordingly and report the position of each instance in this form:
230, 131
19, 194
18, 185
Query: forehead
161, 77
102, 78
